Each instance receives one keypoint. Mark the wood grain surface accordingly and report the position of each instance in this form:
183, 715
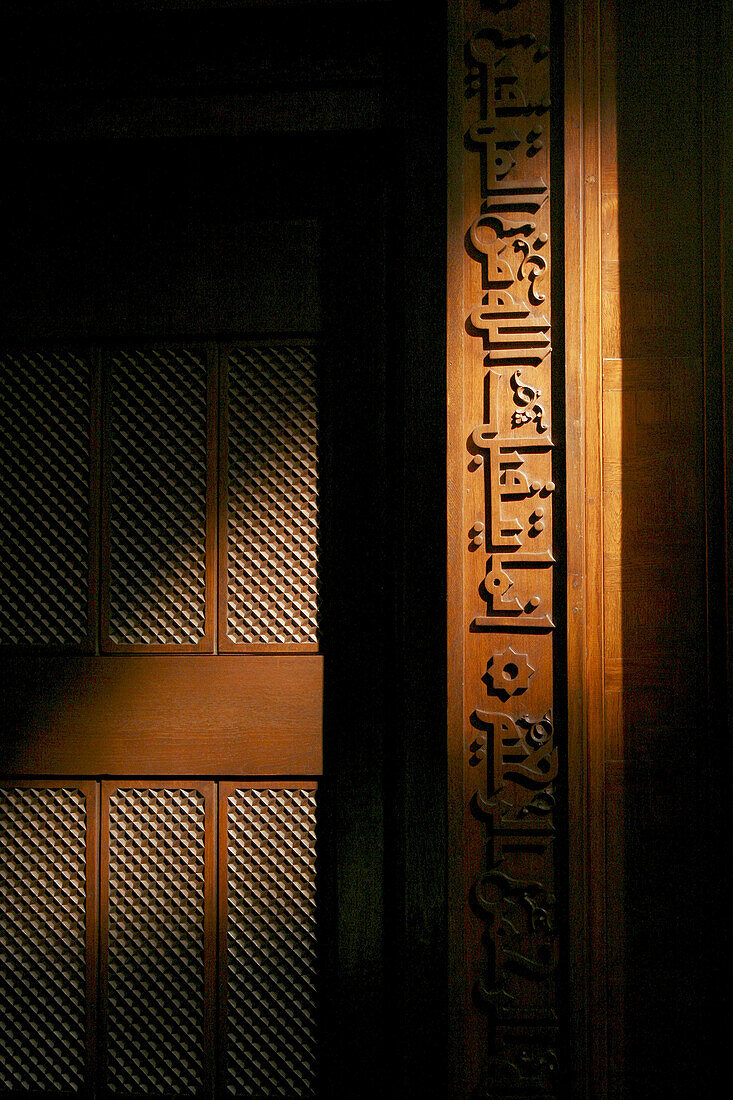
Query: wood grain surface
167, 715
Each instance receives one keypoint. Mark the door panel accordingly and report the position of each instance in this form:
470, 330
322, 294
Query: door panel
158, 497
155, 703
171, 715
48, 920
158, 487
47, 480
268, 500
267, 944
157, 938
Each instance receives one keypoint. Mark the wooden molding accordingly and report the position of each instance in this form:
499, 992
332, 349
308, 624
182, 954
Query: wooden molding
583, 368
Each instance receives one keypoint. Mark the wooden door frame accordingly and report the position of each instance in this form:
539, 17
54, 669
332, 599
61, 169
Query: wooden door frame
494, 1038
589, 119
584, 525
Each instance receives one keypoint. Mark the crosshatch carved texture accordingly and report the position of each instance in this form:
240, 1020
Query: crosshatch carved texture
157, 493
271, 943
44, 479
156, 942
272, 550
42, 939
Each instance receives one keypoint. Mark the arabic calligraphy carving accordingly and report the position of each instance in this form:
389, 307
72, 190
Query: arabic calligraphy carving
513, 759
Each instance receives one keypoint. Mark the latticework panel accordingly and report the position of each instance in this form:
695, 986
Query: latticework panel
44, 480
155, 964
42, 940
271, 943
157, 496
272, 521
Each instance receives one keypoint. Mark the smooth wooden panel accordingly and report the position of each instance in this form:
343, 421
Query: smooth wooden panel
576, 593
162, 715
596, 145
615, 881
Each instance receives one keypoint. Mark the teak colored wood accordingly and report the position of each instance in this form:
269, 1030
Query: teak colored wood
506, 747
282, 862
112, 435
580, 389
278, 461
172, 715
645, 400
159, 909
90, 791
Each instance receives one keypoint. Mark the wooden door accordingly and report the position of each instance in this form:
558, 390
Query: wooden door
171, 496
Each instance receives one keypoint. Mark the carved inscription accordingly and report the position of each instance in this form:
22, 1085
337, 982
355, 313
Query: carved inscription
505, 609
517, 766
529, 409
508, 673
516, 898
523, 749
521, 1062
512, 755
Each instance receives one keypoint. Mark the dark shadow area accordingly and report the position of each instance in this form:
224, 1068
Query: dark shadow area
661, 919
119, 239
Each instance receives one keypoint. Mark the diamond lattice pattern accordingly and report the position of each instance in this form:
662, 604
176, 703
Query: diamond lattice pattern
156, 942
157, 492
272, 521
271, 943
42, 940
44, 480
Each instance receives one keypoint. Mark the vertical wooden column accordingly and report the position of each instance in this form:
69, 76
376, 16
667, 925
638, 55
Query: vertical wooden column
645, 400
584, 555
504, 756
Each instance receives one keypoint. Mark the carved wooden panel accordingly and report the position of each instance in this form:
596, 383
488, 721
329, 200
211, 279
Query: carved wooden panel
268, 938
502, 470
157, 937
45, 473
268, 567
158, 493
145, 915
47, 905
522, 1061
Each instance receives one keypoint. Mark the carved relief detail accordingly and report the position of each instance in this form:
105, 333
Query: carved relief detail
509, 673
508, 482
533, 266
527, 399
519, 760
521, 1062
525, 746
516, 898
505, 611
513, 760
504, 814
514, 906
